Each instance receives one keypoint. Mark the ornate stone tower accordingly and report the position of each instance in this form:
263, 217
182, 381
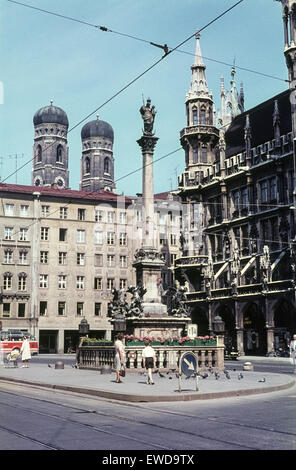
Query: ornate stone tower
200, 135
50, 162
97, 162
289, 20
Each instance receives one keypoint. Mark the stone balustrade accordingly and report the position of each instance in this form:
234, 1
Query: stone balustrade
96, 357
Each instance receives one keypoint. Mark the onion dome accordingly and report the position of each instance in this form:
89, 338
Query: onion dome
97, 128
50, 114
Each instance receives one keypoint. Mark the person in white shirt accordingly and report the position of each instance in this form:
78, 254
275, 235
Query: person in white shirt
119, 356
148, 354
293, 351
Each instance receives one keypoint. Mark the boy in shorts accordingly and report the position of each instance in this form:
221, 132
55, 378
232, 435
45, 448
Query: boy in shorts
149, 358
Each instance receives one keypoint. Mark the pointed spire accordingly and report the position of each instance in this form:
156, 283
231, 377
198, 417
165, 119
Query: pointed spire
199, 86
234, 95
198, 60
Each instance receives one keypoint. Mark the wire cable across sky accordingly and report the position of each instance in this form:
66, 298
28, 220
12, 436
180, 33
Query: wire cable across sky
129, 83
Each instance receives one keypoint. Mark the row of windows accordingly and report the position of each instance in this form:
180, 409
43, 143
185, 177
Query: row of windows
62, 282
43, 309
81, 236
59, 154
10, 210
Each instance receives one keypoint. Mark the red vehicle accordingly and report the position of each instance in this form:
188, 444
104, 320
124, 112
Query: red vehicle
11, 340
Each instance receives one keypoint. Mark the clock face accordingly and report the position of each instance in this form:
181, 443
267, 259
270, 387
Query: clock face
60, 181
37, 181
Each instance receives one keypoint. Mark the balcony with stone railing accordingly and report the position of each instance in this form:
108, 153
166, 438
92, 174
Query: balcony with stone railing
210, 354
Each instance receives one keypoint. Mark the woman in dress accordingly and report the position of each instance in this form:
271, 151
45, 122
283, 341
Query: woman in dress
119, 356
26, 353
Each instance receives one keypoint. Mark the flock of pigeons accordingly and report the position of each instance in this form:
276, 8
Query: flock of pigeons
203, 374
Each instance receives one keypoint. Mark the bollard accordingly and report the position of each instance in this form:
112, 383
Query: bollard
59, 365
248, 366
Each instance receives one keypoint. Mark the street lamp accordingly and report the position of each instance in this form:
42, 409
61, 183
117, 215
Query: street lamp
83, 327
218, 325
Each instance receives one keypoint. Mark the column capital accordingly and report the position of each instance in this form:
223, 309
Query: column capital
147, 143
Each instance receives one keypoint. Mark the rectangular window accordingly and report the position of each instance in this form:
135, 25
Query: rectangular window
22, 283
173, 239
81, 259
21, 312
8, 233
195, 155
110, 238
79, 310
98, 260
23, 234
122, 283
6, 310
236, 200
44, 233
110, 216
44, 257
204, 155
123, 261
62, 281
122, 217
122, 239
81, 214
22, 257
110, 283
263, 191
8, 256
24, 211
99, 215
62, 234
63, 212
98, 283
9, 210
194, 116
62, 257
43, 308
98, 237
245, 198
97, 309
61, 308
44, 211
43, 280
7, 282
273, 189
80, 238
80, 282
110, 261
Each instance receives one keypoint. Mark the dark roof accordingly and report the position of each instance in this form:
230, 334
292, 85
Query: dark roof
97, 128
51, 114
261, 124
66, 193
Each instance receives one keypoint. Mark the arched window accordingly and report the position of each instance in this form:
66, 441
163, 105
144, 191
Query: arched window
203, 116
194, 116
87, 165
39, 153
59, 154
106, 165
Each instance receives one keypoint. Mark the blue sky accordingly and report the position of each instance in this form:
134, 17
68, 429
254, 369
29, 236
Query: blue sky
44, 57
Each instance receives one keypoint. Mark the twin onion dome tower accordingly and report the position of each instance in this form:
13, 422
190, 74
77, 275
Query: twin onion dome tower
51, 152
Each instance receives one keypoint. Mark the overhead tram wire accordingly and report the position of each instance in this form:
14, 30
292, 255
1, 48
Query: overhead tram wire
165, 47
132, 81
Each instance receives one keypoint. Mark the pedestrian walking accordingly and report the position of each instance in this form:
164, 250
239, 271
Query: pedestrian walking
119, 357
1, 353
293, 352
148, 354
25, 351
